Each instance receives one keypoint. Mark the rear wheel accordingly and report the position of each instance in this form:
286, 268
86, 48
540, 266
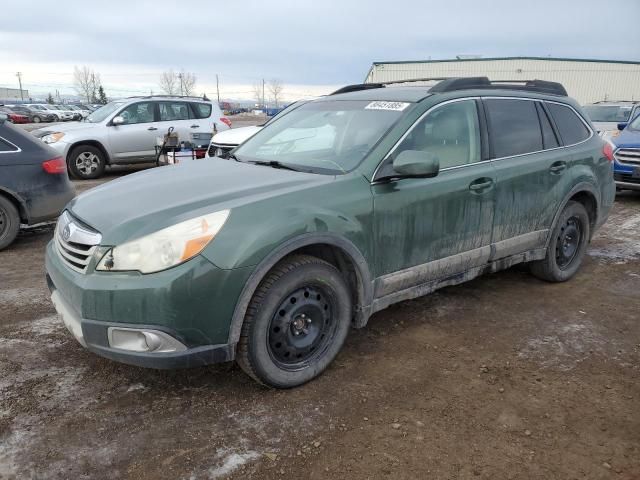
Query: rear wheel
86, 162
296, 323
567, 246
9, 222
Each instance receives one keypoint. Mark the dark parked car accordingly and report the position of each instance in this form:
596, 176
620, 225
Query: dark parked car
35, 116
34, 185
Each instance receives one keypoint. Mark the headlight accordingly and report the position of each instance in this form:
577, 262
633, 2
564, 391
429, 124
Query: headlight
165, 248
52, 137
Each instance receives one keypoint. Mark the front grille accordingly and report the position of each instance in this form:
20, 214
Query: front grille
625, 177
629, 156
75, 243
220, 150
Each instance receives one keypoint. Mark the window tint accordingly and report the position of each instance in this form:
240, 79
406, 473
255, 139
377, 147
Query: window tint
174, 111
450, 132
549, 139
571, 128
138, 113
515, 128
203, 110
6, 146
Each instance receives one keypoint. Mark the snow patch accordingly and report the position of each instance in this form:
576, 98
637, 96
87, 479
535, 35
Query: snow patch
232, 462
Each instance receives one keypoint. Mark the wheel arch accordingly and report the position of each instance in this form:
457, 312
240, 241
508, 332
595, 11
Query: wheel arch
340, 252
94, 143
586, 194
18, 202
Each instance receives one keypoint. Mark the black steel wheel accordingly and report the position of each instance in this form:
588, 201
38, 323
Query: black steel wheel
302, 327
296, 322
567, 245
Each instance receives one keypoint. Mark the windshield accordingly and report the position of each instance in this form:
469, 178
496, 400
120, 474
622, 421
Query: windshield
323, 137
635, 124
103, 112
608, 113
284, 111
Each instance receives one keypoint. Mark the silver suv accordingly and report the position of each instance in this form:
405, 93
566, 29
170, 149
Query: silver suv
606, 116
126, 131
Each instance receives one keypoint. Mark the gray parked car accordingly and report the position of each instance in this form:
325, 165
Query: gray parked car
126, 131
606, 116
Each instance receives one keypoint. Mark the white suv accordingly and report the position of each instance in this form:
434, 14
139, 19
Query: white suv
126, 131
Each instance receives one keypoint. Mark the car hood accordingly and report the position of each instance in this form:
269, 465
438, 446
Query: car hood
627, 139
235, 136
144, 202
64, 128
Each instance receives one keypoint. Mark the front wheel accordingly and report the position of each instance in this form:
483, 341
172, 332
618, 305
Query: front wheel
567, 246
296, 322
86, 162
36, 119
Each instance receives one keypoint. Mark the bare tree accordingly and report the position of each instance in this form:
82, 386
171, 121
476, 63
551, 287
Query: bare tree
275, 89
257, 93
86, 83
169, 83
188, 82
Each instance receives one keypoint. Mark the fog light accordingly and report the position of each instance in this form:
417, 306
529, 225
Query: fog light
143, 340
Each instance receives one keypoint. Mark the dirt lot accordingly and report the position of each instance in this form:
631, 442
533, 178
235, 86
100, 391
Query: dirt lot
504, 377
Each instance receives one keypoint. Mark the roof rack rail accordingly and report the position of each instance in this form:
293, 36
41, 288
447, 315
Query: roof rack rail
411, 80
357, 87
198, 97
467, 83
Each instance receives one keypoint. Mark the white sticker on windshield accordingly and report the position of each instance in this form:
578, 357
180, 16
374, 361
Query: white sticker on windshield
396, 106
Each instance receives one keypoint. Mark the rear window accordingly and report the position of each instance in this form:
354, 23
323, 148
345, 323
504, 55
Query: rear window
515, 128
5, 146
202, 110
608, 113
572, 129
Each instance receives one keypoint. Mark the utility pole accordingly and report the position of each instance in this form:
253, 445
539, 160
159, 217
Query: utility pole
218, 88
19, 75
264, 105
180, 77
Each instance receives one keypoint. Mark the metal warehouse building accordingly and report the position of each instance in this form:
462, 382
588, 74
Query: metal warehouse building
586, 80
8, 95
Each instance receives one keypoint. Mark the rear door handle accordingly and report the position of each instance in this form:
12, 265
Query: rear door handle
152, 128
195, 126
480, 185
558, 167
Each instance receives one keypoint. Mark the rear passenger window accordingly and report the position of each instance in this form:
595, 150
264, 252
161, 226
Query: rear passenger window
515, 128
6, 146
548, 135
203, 110
174, 111
571, 128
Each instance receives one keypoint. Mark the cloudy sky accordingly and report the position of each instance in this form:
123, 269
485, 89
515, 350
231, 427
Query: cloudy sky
311, 46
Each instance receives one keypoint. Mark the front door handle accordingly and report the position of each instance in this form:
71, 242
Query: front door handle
152, 128
480, 185
195, 126
558, 167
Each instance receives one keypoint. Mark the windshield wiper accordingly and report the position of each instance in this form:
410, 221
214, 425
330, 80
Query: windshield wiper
275, 164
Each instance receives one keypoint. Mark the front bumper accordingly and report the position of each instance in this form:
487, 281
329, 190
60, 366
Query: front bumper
192, 302
623, 176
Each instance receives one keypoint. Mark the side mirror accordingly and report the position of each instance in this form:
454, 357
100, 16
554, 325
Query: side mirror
622, 126
416, 164
118, 120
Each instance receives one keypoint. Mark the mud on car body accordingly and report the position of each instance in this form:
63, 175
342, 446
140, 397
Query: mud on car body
342, 207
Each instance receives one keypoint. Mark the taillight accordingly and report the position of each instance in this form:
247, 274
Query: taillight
226, 121
55, 165
607, 151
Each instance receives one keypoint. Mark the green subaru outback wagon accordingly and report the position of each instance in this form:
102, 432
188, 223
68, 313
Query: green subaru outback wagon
348, 204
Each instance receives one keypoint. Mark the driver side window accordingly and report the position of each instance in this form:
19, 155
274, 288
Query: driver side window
142, 112
450, 132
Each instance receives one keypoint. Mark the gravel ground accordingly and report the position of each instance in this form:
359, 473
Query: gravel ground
503, 377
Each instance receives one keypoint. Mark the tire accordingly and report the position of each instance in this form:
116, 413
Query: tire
86, 162
567, 246
56, 118
36, 119
296, 322
9, 222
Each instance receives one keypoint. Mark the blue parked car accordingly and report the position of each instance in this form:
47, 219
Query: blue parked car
626, 153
